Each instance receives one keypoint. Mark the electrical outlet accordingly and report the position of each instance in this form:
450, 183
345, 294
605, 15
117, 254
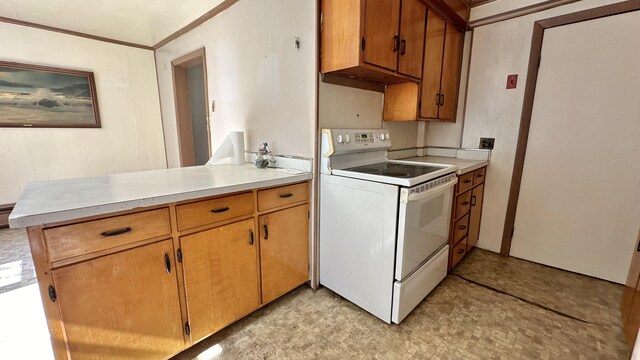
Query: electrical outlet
487, 143
512, 81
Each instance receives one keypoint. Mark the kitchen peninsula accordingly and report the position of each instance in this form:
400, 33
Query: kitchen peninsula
203, 246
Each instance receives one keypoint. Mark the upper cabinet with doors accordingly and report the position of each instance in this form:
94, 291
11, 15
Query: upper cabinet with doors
437, 94
373, 40
441, 70
381, 41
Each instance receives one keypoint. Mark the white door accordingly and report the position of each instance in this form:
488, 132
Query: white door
579, 205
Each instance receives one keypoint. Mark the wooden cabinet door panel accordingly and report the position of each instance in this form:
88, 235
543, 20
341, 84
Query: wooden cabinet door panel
412, 28
122, 306
432, 66
221, 276
450, 73
381, 25
284, 251
477, 194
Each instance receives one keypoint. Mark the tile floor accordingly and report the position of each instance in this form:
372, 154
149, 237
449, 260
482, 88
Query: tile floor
490, 308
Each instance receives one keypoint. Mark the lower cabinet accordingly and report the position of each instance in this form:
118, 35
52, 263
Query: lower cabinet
466, 215
222, 283
284, 253
147, 284
121, 306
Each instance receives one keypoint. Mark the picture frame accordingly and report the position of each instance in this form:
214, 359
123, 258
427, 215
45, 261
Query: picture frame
47, 97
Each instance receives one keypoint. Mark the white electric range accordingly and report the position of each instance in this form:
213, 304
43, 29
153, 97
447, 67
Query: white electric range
384, 224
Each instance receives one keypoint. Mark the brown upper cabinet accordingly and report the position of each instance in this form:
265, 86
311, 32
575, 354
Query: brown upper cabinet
380, 41
441, 70
437, 97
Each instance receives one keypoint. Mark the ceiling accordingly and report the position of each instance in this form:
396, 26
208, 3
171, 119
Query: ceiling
144, 22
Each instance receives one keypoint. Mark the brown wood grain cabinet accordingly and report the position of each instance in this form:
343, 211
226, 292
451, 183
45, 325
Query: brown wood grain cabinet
630, 303
379, 41
148, 283
466, 215
437, 96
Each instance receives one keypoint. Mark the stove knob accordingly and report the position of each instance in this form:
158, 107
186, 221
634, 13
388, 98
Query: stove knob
386, 136
381, 137
347, 139
339, 139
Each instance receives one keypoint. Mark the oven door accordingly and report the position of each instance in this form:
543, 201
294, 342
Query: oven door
423, 223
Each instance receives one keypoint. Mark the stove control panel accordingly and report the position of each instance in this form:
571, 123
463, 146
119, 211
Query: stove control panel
356, 140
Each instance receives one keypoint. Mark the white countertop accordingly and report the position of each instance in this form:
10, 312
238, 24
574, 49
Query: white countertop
464, 165
45, 202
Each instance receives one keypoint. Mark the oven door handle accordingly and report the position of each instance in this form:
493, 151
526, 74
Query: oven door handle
409, 197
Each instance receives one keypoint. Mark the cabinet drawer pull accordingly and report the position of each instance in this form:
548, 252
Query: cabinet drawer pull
220, 210
479, 175
116, 232
462, 227
441, 100
167, 263
438, 99
460, 251
395, 43
287, 195
250, 237
467, 181
465, 203
403, 47
473, 200
266, 231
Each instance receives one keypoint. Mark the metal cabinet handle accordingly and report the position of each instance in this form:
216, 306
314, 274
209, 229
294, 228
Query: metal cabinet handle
441, 99
438, 99
460, 251
266, 231
220, 210
473, 200
287, 195
465, 203
395, 43
466, 181
403, 47
250, 237
461, 227
116, 232
480, 175
167, 263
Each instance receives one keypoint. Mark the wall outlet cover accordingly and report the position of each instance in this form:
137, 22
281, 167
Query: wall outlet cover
487, 143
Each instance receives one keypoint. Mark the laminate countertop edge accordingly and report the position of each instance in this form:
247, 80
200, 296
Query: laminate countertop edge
115, 193
464, 165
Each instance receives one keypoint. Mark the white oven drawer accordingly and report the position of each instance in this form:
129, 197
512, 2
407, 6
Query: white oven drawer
409, 293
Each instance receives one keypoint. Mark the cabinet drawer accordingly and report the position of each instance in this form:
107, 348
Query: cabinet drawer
214, 210
478, 176
460, 229
465, 182
78, 239
284, 195
463, 204
459, 251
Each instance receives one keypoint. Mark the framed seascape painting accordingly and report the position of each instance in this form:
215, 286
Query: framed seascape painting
40, 96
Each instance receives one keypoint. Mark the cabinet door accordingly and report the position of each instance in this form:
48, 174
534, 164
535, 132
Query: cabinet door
122, 306
381, 22
450, 73
477, 195
284, 251
630, 304
432, 66
412, 27
221, 276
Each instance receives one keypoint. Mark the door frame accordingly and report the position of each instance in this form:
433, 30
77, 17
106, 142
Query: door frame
529, 94
184, 129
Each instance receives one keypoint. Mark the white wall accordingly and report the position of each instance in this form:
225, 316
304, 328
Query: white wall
260, 82
131, 135
498, 50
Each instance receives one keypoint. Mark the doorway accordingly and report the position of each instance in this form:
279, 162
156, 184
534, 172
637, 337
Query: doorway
578, 195
192, 120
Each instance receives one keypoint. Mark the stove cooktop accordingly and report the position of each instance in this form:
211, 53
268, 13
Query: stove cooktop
395, 170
